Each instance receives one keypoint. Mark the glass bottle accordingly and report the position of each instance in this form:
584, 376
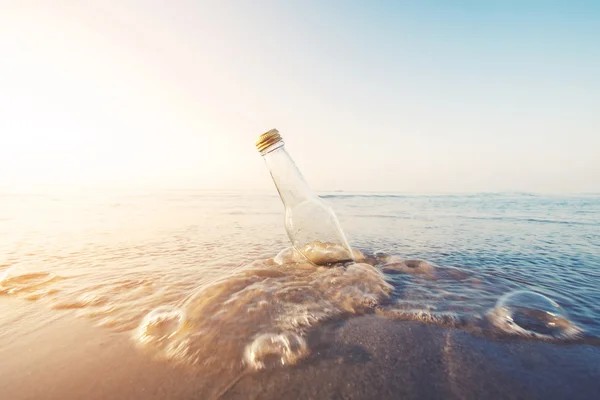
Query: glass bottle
310, 223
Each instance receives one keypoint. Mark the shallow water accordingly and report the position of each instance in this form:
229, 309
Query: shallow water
193, 275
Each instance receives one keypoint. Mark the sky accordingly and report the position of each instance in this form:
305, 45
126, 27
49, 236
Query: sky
391, 96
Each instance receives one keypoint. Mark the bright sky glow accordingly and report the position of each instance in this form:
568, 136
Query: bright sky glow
436, 96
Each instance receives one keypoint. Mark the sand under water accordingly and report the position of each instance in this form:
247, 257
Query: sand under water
366, 357
188, 307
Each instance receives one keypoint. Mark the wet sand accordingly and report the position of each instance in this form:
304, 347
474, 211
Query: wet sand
363, 358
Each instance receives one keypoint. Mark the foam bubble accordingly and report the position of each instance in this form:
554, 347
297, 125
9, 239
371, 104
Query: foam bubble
271, 350
160, 324
532, 314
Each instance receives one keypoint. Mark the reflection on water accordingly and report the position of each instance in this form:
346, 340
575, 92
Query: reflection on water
199, 277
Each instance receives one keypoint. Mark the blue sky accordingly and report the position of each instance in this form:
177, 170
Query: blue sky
369, 96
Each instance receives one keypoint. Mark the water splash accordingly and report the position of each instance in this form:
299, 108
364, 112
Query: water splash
449, 319
397, 265
259, 315
263, 311
271, 350
159, 325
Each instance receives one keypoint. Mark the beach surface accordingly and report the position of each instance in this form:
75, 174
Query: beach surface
363, 358
189, 294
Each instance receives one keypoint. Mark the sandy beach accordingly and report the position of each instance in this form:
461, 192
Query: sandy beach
363, 358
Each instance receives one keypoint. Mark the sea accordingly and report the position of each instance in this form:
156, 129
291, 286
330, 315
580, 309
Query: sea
202, 277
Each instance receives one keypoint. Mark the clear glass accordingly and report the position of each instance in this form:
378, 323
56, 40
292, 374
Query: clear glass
311, 224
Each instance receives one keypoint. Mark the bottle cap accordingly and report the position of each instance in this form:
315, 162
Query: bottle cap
267, 139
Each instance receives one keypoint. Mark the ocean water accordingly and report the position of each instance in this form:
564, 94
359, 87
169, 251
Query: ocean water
204, 278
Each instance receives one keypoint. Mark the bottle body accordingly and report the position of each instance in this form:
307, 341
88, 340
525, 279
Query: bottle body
315, 232
310, 222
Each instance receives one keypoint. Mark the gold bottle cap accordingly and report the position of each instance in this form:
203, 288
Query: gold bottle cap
267, 139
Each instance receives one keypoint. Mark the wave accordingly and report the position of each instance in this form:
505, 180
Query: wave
535, 220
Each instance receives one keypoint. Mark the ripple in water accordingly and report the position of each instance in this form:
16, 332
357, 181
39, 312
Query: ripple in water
528, 313
26, 279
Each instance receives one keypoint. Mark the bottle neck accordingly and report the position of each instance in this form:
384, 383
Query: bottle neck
290, 183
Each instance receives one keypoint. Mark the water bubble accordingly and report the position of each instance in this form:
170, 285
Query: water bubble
160, 324
532, 314
271, 350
